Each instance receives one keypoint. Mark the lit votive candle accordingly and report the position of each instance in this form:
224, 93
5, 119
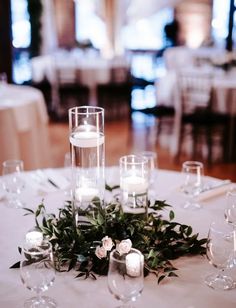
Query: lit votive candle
133, 264
87, 139
34, 238
134, 184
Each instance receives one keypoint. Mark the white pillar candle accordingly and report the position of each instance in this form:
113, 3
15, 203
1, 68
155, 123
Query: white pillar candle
133, 264
34, 238
134, 184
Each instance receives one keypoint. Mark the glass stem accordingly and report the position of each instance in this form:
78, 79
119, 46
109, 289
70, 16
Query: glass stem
220, 274
39, 297
234, 243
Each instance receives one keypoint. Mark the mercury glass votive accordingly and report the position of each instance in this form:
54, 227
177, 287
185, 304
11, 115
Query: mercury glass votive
134, 177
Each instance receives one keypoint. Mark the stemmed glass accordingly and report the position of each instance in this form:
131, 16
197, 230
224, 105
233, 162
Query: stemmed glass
37, 272
230, 216
12, 182
125, 276
152, 165
193, 172
219, 251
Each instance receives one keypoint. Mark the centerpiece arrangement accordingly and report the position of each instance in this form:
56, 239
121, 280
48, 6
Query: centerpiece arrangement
85, 246
87, 228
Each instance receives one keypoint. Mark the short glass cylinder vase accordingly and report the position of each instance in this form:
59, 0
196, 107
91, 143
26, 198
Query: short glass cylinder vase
87, 142
134, 183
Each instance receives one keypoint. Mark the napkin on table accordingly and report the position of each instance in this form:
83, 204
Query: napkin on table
215, 190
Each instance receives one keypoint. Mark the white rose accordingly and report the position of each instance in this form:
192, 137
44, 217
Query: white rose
100, 252
124, 246
107, 243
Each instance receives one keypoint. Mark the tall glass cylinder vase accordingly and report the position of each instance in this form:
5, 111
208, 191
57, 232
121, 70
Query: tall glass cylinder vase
87, 154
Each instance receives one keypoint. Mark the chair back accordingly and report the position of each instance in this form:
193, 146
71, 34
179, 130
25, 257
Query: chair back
195, 88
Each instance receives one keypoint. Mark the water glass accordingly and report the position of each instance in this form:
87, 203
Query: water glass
152, 166
87, 153
230, 208
219, 252
230, 216
192, 186
37, 272
13, 184
134, 176
125, 276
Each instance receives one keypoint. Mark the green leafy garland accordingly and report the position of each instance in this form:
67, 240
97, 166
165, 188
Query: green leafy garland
75, 241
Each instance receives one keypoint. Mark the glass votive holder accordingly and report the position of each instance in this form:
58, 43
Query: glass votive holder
134, 175
87, 142
152, 164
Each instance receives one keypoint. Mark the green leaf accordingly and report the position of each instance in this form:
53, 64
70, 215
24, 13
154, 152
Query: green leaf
74, 241
172, 274
160, 279
16, 265
171, 215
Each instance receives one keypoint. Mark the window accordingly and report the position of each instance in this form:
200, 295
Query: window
220, 21
20, 40
146, 33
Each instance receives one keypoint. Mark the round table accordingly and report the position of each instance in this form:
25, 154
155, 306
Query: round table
188, 290
24, 126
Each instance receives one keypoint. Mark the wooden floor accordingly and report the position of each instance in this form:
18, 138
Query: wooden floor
121, 138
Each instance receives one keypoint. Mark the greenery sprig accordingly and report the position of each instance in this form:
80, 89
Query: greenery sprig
75, 235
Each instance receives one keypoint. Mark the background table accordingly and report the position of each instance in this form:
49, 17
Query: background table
224, 100
188, 290
86, 68
23, 126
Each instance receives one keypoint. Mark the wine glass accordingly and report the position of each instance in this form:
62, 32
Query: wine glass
193, 172
219, 251
37, 272
125, 275
230, 216
152, 166
13, 184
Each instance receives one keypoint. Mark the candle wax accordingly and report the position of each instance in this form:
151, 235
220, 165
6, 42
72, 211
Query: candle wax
133, 264
34, 238
86, 193
134, 184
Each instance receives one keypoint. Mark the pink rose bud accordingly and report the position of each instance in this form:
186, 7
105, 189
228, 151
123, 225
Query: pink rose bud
100, 252
107, 243
124, 246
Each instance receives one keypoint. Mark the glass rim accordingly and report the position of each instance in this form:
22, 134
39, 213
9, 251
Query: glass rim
129, 159
11, 162
90, 110
231, 191
148, 153
26, 248
192, 164
134, 250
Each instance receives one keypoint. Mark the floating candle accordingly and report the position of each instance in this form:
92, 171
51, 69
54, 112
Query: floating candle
86, 193
134, 184
87, 139
34, 238
133, 264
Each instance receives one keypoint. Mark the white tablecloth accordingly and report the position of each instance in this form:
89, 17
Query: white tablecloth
188, 290
23, 126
